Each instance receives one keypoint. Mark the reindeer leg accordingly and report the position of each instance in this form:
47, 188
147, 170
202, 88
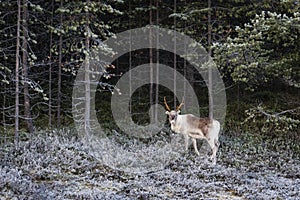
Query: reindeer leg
186, 141
213, 143
195, 146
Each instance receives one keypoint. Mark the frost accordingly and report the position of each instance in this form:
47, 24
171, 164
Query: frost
59, 165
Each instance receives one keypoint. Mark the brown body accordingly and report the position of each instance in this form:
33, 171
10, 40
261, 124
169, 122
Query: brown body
202, 123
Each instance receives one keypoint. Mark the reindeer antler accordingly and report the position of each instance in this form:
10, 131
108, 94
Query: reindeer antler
167, 107
180, 105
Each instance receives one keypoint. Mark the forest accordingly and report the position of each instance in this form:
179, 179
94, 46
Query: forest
84, 89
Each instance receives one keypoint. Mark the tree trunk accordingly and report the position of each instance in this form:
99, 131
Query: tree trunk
50, 70
59, 73
185, 70
27, 108
175, 60
87, 127
130, 64
157, 69
151, 66
16, 138
3, 109
210, 77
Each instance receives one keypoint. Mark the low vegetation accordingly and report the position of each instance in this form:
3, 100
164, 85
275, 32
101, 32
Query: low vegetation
58, 164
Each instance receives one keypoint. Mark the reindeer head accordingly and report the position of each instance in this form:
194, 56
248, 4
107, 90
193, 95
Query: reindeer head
172, 113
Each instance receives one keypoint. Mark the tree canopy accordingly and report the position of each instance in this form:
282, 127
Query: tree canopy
255, 45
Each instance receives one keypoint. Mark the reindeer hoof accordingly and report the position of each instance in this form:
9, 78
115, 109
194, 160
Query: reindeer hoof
213, 160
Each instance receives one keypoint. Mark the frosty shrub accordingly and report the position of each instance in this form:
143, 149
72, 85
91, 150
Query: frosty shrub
266, 121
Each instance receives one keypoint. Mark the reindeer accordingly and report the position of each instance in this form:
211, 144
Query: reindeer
196, 128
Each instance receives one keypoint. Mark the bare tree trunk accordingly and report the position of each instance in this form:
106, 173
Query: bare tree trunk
175, 61
185, 68
87, 127
59, 73
157, 69
210, 77
130, 64
27, 107
151, 65
50, 71
16, 139
3, 109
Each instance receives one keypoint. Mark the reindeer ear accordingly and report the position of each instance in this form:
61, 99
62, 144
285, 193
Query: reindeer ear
178, 111
167, 112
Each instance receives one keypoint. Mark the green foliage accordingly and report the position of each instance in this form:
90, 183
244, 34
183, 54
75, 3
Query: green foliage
265, 49
260, 119
4, 74
81, 20
259, 53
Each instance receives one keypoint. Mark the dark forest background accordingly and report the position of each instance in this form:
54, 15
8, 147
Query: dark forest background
255, 45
